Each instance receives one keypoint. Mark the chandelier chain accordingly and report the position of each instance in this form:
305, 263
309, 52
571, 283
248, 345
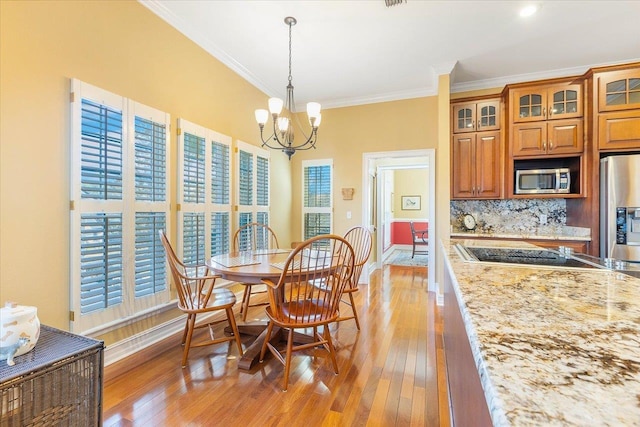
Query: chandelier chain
290, 25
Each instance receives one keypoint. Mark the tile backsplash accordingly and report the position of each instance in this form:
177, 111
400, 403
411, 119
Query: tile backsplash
511, 216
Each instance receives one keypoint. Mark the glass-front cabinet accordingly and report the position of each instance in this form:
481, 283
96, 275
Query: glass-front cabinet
619, 90
477, 146
476, 116
618, 118
546, 102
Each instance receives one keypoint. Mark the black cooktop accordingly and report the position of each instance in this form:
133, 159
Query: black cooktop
526, 256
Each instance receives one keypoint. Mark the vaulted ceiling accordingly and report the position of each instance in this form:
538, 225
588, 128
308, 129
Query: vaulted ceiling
352, 52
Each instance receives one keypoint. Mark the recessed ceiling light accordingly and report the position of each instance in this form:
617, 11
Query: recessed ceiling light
528, 10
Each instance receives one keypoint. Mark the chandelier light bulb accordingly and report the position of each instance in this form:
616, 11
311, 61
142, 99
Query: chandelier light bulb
262, 116
275, 105
283, 124
315, 121
313, 109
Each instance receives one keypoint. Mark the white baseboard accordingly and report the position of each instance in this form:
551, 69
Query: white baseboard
133, 344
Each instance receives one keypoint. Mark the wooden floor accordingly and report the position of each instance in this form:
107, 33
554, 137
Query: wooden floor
392, 373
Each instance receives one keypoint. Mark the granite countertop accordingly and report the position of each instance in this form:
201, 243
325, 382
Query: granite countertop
553, 346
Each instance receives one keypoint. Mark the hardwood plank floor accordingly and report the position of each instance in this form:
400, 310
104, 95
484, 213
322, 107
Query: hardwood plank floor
392, 372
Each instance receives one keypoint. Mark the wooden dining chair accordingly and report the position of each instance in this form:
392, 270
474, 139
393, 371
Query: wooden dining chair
295, 302
251, 237
419, 238
196, 295
360, 239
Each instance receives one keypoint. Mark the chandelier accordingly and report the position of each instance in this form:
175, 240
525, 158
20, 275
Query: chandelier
282, 137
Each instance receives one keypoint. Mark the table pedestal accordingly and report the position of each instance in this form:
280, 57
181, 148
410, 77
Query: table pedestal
251, 354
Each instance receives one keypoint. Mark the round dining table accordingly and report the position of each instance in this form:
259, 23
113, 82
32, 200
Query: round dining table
252, 267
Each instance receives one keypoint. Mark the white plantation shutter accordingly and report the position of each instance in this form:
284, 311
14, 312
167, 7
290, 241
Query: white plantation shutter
253, 178
221, 198
203, 193
150, 199
317, 200
118, 192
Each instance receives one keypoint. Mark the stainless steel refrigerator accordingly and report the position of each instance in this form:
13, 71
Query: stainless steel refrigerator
620, 207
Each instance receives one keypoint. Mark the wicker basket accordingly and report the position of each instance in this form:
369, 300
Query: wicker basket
58, 383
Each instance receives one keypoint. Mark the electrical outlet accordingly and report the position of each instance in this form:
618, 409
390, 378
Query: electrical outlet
348, 214
543, 219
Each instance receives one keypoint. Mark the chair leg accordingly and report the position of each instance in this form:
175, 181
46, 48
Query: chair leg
191, 322
245, 302
266, 341
413, 252
234, 328
287, 363
186, 329
355, 312
332, 352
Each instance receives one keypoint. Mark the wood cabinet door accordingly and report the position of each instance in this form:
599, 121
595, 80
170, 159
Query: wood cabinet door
619, 90
488, 115
464, 117
564, 101
529, 105
565, 136
488, 165
528, 139
619, 130
462, 166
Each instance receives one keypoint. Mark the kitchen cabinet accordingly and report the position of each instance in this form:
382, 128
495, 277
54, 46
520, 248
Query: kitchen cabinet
546, 129
618, 105
547, 138
476, 171
618, 90
476, 116
546, 102
477, 148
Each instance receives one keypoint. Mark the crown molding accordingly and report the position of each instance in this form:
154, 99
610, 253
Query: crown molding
383, 97
529, 77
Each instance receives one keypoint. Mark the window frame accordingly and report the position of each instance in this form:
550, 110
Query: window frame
253, 208
326, 209
130, 306
207, 208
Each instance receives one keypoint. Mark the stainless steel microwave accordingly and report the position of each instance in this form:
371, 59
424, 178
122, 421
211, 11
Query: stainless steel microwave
543, 181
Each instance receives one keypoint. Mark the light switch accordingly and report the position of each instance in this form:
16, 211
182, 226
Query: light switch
348, 214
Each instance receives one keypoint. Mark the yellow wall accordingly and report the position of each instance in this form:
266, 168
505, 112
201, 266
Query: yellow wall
346, 133
119, 46
406, 182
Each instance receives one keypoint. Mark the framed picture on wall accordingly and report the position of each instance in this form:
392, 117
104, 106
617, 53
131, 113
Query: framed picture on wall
410, 203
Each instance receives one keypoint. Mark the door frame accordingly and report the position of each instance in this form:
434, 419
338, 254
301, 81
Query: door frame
369, 166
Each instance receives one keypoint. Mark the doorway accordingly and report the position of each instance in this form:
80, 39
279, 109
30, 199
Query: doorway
377, 206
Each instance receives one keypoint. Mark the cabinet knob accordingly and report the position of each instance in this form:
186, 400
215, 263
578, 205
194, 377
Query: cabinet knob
550, 145
550, 111
544, 145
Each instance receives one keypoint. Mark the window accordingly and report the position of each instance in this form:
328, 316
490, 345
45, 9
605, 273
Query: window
204, 187
119, 158
253, 184
317, 204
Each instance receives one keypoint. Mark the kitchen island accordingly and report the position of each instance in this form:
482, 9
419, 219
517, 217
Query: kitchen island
529, 346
